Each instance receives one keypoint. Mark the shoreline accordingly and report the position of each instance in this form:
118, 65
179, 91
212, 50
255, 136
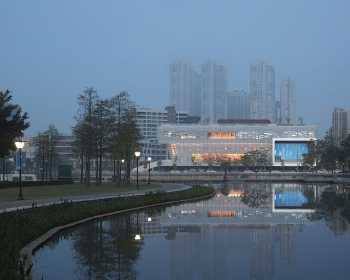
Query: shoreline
27, 252
252, 177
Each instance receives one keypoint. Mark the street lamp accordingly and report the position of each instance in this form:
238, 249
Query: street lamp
137, 237
20, 145
149, 159
121, 169
137, 155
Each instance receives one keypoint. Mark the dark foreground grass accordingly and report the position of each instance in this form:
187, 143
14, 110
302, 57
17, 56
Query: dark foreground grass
21, 227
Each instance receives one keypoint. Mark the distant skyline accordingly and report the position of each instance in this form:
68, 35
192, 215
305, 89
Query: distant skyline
52, 50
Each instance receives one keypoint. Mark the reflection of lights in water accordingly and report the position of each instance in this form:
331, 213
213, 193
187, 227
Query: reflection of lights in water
137, 237
188, 212
222, 213
235, 194
149, 219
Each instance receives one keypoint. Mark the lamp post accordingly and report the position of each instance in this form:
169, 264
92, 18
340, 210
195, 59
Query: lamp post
149, 159
120, 170
137, 155
20, 146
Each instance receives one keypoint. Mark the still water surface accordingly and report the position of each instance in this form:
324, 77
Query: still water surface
247, 231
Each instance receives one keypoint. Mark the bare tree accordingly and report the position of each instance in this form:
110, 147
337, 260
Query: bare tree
84, 131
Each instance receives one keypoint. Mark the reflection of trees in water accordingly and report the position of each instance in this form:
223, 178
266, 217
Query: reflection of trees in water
228, 187
256, 196
309, 193
334, 208
107, 249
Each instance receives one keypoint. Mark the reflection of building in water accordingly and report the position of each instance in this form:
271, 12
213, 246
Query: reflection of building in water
214, 252
286, 235
291, 198
261, 266
202, 247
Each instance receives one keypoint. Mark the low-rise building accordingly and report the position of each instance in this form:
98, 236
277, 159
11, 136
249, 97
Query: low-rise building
196, 144
148, 122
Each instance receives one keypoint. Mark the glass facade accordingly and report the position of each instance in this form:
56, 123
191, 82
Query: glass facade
289, 151
199, 143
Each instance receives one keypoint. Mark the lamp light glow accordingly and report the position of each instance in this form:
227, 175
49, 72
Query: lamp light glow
137, 154
19, 144
137, 237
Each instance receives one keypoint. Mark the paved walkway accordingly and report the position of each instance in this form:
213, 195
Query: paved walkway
25, 204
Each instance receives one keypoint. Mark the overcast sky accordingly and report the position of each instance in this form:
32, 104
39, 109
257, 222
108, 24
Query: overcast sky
51, 50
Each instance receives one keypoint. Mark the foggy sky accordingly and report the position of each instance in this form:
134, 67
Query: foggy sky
51, 50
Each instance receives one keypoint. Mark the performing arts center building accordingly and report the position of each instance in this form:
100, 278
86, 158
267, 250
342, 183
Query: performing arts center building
203, 144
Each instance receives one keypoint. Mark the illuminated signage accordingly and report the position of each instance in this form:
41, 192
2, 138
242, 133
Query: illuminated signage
227, 135
216, 157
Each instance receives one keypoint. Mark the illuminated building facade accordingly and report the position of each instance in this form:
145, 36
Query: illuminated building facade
148, 122
290, 151
199, 144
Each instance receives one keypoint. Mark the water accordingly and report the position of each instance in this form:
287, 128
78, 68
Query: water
247, 231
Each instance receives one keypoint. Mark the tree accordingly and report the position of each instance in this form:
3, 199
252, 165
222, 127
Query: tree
12, 124
256, 158
310, 158
345, 153
104, 128
129, 137
120, 106
84, 132
328, 153
46, 157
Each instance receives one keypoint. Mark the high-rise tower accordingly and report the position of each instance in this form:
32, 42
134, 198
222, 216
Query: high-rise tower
214, 84
287, 102
262, 91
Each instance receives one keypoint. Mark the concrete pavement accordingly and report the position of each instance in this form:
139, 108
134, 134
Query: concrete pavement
25, 204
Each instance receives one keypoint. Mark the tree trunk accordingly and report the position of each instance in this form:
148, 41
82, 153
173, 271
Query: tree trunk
3, 168
81, 167
87, 170
100, 167
114, 170
50, 166
128, 168
119, 171
43, 167
96, 170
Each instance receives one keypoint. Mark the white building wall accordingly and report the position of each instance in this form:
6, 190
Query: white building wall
186, 140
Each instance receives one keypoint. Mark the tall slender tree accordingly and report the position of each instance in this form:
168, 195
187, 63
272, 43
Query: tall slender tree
103, 124
84, 130
46, 157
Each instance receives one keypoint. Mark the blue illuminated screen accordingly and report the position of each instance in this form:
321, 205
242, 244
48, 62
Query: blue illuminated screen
291, 151
290, 199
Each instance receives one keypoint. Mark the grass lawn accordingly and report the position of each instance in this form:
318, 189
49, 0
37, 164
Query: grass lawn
42, 192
